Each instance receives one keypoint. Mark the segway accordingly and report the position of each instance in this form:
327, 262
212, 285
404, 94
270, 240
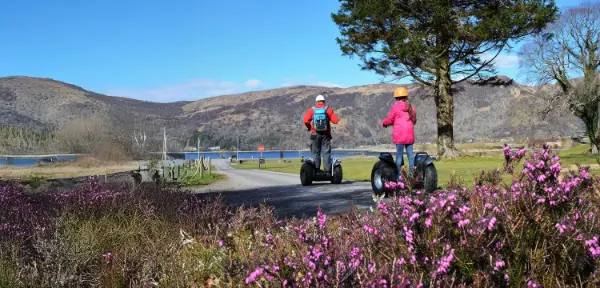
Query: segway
310, 173
385, 170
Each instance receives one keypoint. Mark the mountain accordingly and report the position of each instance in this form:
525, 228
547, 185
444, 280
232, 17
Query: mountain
274, 117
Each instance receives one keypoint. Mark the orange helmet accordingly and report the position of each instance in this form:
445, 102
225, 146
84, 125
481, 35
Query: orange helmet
400, 92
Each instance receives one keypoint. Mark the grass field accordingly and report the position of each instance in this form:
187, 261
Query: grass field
67, 170
359, 168
201, 180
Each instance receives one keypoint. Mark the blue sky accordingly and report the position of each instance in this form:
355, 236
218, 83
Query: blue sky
181, 50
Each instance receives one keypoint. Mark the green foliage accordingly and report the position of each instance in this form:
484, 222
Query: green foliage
414, 38
437, 43
26, 140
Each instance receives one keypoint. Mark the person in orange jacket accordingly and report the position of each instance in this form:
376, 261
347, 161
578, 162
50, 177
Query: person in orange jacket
317, 120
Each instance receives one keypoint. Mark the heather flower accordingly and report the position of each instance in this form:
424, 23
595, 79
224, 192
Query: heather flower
428, 222
107, 257
463, 223
414, 217
585, 174
321, 218
371, 267
499, 264
491, 223
255, 275
382, 206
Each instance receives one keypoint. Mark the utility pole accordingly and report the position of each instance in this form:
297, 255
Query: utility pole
238, 147
198, 148
164, 143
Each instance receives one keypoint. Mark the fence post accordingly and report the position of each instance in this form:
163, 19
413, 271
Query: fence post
209, 167
201, 166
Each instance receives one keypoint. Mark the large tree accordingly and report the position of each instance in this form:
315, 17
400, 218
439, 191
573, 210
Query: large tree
568, 48
437, 43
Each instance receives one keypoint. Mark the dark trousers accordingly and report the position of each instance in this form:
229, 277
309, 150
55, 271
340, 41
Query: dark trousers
321, 143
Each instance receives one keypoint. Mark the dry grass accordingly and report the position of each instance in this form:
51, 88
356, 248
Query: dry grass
82, 167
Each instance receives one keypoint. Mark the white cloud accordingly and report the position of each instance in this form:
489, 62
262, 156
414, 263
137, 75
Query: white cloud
327, 84
503, 60
192, 90
188, 91
310, 80
203, 88
253, 83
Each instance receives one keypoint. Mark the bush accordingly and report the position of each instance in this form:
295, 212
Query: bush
539, 231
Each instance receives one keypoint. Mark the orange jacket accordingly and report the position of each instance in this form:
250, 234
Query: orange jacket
308, 117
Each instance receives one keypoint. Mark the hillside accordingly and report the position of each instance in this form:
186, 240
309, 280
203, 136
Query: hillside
274, 117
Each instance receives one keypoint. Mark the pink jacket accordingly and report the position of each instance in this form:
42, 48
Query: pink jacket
404, 129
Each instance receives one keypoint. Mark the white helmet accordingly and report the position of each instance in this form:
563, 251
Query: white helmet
320, 98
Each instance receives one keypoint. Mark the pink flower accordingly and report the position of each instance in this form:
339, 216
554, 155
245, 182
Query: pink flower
442, 203
322, 218
428, 222
254, 275
383, 208
585, 174
561, 227
371, 267
499, 264
541, 178
414, 217
491, 223
463, 223
107, 257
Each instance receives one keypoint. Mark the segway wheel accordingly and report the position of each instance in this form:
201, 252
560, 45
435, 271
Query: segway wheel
307, 172
431, 179
381, 174
337, 175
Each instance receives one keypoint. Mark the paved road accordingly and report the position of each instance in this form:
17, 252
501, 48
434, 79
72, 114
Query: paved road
284, 192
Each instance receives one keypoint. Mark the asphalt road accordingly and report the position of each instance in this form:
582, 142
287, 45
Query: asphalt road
285, 193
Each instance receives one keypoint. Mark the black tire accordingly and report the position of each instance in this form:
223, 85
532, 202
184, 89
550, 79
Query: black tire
381, 173
307, 173
430, 180
337, 175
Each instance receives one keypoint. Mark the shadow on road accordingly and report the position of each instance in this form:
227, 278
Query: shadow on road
300, 201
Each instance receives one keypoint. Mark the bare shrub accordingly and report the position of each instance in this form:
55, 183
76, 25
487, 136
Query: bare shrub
82, 136
99, 137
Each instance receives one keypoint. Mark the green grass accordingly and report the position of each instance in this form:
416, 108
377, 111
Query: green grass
579, 155
467, 167
205, 179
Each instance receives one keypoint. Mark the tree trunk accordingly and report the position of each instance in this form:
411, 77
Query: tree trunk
595, 132
590, 119
445, 112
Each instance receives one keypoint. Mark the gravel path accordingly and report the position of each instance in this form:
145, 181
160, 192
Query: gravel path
285, 193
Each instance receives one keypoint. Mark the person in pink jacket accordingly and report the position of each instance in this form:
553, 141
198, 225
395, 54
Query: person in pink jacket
403, 117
